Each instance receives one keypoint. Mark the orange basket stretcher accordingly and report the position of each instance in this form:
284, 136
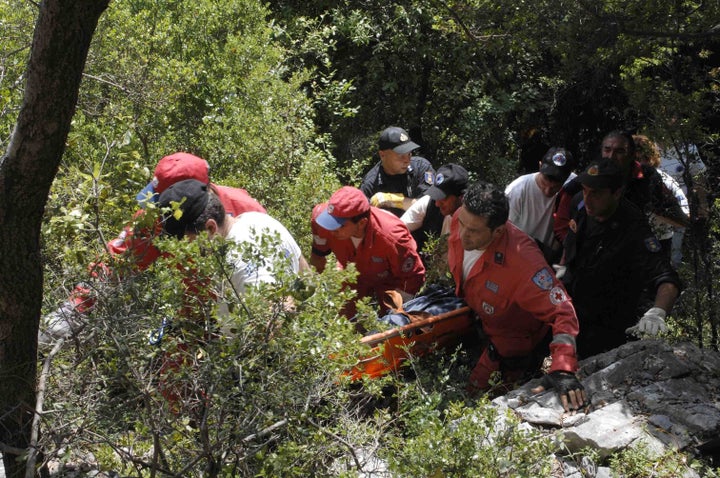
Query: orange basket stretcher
390, 348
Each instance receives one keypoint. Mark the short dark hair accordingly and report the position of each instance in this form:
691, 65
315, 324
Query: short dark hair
624, 134
213, 210
487, 200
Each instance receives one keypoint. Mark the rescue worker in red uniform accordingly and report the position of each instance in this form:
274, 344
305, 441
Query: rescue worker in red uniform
136, 245
376, 241
170, 170
503, 277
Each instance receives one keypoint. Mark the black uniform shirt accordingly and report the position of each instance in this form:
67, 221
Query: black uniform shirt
413, 184
609, 264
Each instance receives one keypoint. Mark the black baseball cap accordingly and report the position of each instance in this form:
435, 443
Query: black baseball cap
557, 164
193, 198
397, 139
604, 173
450, 179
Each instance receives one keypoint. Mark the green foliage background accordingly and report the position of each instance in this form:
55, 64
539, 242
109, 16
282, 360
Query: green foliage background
286, 100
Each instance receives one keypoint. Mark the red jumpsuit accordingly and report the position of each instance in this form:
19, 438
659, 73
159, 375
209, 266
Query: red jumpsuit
137, 244
518, 300
386, 259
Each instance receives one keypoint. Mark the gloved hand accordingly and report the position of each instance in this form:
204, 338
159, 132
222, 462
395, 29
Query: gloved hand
652, 323
387, 200
572, 393
60, 323
560, 270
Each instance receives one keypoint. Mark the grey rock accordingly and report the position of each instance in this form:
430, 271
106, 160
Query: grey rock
604, 472
609, 429
645, 392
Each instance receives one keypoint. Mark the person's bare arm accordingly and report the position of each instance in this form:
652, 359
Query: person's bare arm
666, 295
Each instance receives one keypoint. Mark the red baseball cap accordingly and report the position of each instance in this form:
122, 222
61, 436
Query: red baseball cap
171, 169
345, 203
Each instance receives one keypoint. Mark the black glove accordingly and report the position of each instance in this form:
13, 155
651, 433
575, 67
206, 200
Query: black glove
572, 393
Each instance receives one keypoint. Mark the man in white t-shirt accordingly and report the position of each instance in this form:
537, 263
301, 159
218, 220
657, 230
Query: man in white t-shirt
260, 251
202, 211
532, 198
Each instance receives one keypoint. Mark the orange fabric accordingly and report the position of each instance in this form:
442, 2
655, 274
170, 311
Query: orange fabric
422, 336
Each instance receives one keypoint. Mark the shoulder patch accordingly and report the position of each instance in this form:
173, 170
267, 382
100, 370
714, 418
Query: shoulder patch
429, 178
558, 296
488, 309
573, 225
652, 244
543, 279
320, 241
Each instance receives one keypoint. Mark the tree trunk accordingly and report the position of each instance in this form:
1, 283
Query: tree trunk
60, 45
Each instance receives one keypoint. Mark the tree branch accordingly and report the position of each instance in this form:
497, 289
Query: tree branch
341, 440
266, 431
39, 400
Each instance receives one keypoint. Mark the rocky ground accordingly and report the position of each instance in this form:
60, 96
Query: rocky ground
645, 392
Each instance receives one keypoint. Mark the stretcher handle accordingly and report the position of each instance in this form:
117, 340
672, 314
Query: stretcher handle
386, 334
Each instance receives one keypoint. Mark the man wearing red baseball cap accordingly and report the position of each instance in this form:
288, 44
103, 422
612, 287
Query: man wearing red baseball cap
376, 241
181, 166
170, 170
137, 244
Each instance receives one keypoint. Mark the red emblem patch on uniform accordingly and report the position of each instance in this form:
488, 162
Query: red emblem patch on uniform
557, 295
408, 264
488, 309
